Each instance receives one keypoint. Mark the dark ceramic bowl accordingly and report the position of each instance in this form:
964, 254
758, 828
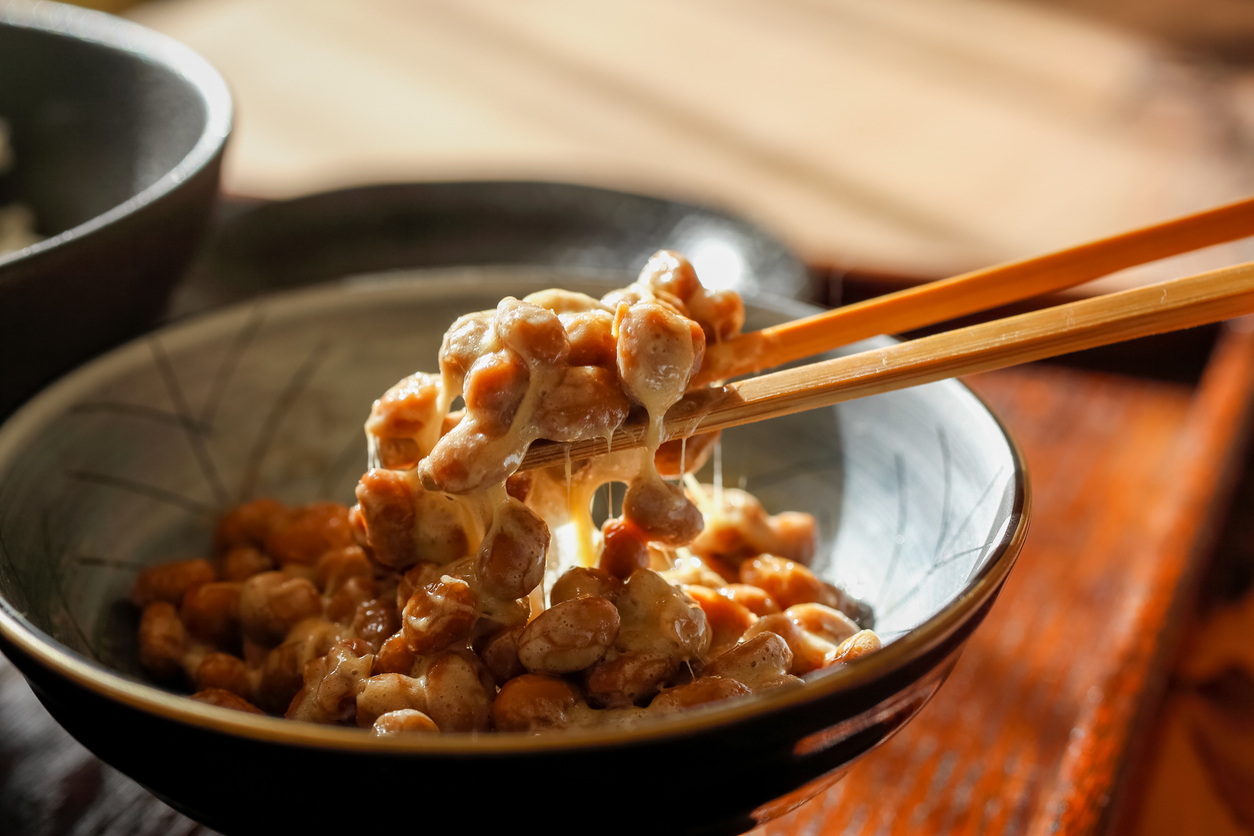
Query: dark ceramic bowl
920, 497
286, 244
117, 135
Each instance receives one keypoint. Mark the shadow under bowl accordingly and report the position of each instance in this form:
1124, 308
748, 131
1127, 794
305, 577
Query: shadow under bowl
117, 134
920, 498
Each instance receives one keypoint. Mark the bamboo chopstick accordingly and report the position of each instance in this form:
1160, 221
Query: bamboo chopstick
1154, 309
972, 292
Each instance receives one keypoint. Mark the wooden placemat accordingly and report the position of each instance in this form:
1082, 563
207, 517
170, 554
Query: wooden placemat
1040, 717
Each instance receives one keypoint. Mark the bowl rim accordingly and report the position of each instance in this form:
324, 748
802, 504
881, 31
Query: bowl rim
103, 681
142, 44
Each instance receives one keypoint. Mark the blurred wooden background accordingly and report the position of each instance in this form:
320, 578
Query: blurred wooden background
913, 136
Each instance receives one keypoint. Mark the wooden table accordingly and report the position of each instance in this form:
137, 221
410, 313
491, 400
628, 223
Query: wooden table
899, 135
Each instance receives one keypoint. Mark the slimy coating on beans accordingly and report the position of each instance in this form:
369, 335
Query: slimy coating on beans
458, 596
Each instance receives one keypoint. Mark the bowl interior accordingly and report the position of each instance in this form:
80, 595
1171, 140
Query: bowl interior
127, 461
97, 112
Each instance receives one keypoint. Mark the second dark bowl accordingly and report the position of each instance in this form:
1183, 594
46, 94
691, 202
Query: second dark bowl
117, 135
